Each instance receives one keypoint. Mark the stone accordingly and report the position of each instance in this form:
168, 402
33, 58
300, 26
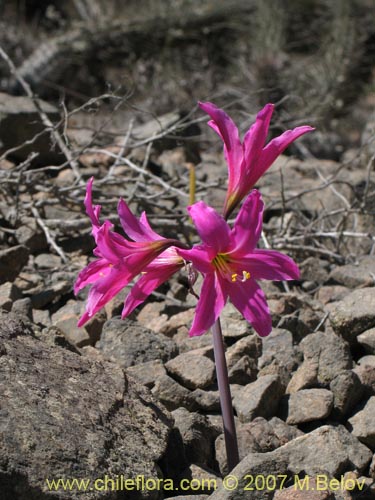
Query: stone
30, 235
206, 401
363, 424
316, 491
186, 343
314, 269
12, 260
20, 121
47, 261
283, 431
198, 436
368, 360
74, 334
354, 314
335, 448
65, 415
367, 340
308, 405
147, 373
8, 294
172, 394
330, 352
233, 324
201, 479
151, 316
129, 343
259, 399
305, 377
192, 370
278, 347
366, 375
23, 307
55, 286
361, 274
243, 371
347, 391
331, 293
181, 319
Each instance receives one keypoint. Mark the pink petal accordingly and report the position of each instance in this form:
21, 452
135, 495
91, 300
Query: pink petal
248, 225
250, 300
274, 149
211, 226
111, 250
134, 228
91, 273
227, 130
256, 136
271, 265
92, 212
145, 286
210, 304
106, 288
200, 256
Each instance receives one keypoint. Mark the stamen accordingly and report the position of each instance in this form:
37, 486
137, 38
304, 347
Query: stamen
234, 277
245, 275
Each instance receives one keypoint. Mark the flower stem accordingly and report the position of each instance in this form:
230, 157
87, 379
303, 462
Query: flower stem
225, 397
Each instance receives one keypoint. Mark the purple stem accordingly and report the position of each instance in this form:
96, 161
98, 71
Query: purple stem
225, 397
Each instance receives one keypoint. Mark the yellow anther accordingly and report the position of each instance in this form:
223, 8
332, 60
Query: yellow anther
234, 277
245, 275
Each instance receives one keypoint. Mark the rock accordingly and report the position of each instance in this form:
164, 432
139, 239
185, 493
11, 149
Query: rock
278, 348
314, 269
363, 424
20, 122
129, 344
51, 289
331, 293
356, 275
184, 318
330, 352
198, 436
172, 394
233, 324
74, 334
308, 405
186, 343
347, 391
368, 360
366, 375
30, 235
367, 340
147, 373
201, 480
192, 370
335, 447
23, 307
47, 261
243, 371
283, 431
151, 316
259, 399
12, 261
305, 377
314, 485
65, 415
206, 400
354, 314
8, 294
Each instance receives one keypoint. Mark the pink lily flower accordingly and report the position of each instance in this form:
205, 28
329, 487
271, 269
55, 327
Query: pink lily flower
249, 160
120, 260
231, 265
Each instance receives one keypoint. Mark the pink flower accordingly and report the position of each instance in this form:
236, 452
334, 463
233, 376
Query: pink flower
231, 264
120, 260
249, 160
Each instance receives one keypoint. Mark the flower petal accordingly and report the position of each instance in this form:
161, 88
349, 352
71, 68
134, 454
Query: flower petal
270, 265
210, 304
248, 225
146, 284
250, 300
274, 148
200, 256
136, 229
212, 228
227, 130
256, 136
91, 273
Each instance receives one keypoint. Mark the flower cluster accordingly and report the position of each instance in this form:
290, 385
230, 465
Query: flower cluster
228, 258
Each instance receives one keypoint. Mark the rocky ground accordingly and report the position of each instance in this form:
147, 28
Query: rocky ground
139, 397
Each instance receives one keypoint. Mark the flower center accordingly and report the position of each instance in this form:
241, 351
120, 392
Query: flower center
228, 269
